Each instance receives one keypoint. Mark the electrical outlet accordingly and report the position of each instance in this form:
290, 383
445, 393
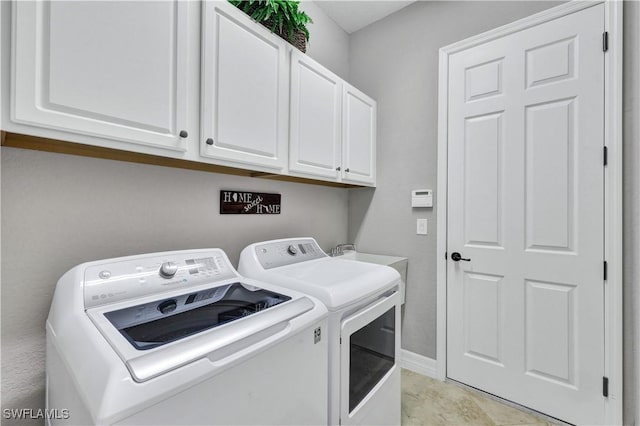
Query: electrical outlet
421, 227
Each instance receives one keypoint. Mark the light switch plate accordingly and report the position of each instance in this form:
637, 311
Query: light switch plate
421, 228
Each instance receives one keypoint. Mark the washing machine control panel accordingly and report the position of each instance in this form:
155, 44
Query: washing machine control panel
148, 274
287, 252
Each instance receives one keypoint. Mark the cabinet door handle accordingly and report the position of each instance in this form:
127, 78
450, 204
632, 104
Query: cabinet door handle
209, 141
183, 133
346, 170
338, 168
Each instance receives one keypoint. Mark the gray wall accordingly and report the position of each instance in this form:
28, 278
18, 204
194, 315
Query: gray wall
60, 210
328, 43
396, 62
631, 201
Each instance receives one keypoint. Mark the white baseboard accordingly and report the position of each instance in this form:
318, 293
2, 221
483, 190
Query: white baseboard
418, 363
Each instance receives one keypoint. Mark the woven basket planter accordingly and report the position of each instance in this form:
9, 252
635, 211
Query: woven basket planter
299, 40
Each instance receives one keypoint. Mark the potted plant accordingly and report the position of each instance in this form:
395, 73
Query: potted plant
282, 17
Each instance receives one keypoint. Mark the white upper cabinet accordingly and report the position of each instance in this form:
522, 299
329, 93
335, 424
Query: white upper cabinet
106, 69
198, 81
315, 132
245, 90
358, 137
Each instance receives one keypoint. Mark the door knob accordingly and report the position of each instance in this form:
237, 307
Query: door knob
456, 257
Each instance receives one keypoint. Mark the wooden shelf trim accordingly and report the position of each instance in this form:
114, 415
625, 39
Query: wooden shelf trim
16, 140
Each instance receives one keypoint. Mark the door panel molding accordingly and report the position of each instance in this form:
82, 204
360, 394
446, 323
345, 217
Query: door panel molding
612, 174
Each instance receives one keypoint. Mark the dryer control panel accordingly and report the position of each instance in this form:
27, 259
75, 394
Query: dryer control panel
137, 276
287, 252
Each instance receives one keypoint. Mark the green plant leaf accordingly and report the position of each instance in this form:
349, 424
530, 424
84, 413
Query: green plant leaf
280, 21
283, 15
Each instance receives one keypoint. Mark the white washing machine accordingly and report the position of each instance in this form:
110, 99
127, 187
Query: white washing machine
180, 338
364, 323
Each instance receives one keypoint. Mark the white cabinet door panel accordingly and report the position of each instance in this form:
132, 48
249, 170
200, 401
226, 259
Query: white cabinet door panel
89, 68
244, 89
358, 136
316, 98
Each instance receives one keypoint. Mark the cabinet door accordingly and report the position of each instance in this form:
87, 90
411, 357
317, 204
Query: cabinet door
358, 137
244, 89
103, 68
316, 98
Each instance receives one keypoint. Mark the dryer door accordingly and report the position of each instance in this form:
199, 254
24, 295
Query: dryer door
370, 376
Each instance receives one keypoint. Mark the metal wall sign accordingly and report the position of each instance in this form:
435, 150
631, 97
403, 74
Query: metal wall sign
241, 202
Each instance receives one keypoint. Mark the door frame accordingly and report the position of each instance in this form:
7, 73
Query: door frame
612, 187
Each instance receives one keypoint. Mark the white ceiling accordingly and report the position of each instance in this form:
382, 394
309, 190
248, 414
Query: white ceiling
354, 15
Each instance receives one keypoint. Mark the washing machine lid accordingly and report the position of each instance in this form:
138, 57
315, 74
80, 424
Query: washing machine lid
160, 335
336, 282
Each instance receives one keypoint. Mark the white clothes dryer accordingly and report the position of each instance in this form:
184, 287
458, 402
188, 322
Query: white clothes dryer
364, 323
181, 338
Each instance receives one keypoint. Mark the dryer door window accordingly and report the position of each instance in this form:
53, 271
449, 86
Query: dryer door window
370, 345
372, 354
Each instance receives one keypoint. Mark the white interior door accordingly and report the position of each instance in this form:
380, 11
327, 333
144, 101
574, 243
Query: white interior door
525, 313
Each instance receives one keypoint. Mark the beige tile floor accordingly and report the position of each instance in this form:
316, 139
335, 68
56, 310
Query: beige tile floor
426, 401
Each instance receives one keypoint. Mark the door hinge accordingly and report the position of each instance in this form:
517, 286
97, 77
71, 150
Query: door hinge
605, 41
605, 387
605, 270
605, 155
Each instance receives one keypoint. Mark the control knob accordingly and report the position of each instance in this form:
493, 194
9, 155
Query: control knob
168, 306
292, 250
168, 269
